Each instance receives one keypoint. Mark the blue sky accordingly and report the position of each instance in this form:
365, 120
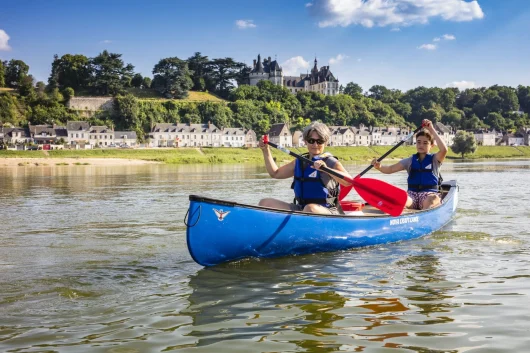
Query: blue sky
397, 43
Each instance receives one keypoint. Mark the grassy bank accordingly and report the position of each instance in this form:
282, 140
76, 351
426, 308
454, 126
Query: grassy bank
241, 155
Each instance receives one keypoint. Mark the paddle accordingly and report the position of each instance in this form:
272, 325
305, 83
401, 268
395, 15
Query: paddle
345, 190
386, 197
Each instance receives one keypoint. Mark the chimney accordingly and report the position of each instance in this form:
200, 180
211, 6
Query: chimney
254, 63
209, 124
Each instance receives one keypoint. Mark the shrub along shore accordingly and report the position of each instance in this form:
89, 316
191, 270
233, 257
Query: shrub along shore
242, 155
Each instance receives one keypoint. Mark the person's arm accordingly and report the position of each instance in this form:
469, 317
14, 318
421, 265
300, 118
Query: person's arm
440, 155
337, 168
387, 169
283, 172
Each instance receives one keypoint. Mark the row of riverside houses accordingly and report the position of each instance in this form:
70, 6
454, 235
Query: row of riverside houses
79, 134
76, 134
368, 135
354, 136
200, 135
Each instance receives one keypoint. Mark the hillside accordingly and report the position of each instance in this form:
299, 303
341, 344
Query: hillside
192, 95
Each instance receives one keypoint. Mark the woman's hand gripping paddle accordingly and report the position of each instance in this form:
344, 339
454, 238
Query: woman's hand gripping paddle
384, 196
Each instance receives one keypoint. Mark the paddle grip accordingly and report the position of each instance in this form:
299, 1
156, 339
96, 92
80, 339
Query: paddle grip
391, 150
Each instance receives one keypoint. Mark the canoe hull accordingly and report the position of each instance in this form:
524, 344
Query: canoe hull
220, 231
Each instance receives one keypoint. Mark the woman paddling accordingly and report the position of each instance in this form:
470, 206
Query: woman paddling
315, 191
423, 169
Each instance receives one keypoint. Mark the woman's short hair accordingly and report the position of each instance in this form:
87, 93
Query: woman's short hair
320, 128
427, 135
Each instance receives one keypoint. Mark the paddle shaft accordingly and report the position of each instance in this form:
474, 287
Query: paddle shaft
391, 150
323, 168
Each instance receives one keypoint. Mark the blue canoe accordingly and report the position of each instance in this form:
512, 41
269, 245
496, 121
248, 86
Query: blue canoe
220, 231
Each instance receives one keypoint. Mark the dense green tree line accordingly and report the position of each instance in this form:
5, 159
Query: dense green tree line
256, 107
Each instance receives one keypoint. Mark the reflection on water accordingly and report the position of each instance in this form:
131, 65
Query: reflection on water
94, 259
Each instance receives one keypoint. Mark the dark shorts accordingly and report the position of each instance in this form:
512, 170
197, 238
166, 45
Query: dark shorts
419, 196
332, 210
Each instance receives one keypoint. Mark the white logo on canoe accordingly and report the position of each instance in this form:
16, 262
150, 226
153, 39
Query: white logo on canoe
220, 214
406, 220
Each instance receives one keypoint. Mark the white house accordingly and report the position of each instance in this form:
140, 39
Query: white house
125, 138
341, 136
78, 134
280, 135
233, 137
184, 135
485, 137
101, 136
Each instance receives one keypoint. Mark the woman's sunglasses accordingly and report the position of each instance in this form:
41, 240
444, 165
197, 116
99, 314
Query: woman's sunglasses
311, 141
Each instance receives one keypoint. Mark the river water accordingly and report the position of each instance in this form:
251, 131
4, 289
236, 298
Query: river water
94, 259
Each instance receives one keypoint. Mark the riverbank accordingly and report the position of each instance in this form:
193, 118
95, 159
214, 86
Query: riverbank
226, 155
47, 161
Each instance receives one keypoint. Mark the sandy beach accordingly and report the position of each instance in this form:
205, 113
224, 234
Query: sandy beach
16, 162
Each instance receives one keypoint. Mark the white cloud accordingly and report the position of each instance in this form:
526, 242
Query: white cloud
309, 4
444, 37
462, 85
395, 29
244, 24
106, 41
369, 13
427, 46
337, 59
4, 38
359, 60
294, 65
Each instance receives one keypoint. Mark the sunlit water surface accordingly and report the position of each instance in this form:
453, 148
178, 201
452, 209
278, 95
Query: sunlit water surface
94, 259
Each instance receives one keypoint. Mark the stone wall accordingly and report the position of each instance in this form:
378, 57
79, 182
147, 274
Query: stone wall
90, 104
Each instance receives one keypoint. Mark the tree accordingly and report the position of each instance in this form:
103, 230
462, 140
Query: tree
110, 73
453, 118
25, 86
224, 73
15, 71
126, 108
137, 81
70, 71
146, 83
172, 78
198, 64
68, 93
464, 143
2, 74
523, 94
353, 90
496, 121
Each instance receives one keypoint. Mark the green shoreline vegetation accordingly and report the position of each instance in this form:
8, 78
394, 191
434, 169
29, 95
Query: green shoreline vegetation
254, 155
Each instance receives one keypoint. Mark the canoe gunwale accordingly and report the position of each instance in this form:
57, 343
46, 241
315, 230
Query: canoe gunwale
448, 186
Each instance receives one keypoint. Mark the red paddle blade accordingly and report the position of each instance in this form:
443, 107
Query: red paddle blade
388, 198
344, 191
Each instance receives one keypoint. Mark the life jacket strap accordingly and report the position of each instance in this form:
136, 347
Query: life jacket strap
418, 187
330, 200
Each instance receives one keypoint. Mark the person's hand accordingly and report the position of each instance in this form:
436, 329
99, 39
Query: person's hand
318, 164
426, 123
376, 164
263, 145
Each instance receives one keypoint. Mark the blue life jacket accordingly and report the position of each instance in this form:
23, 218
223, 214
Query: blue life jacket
313, 186
421, 174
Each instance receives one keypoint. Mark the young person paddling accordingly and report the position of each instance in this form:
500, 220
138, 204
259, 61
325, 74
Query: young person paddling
315, 191
423, 169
